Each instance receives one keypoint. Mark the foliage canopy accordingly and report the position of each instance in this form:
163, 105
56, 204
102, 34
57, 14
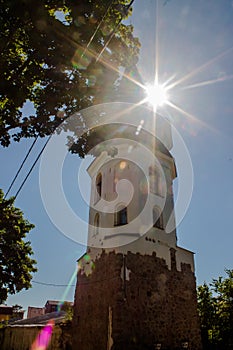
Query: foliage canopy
49, 51
215, 305
16, 265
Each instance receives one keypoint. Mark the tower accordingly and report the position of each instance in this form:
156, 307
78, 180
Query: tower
136, 287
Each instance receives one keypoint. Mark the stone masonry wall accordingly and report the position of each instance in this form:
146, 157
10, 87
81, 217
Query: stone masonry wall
94, 294
134, 301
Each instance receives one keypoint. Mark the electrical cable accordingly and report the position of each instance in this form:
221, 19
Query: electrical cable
127, 7
30, 149
89, 282
53, 284
97, 28
21, 166
33, 165
73, 285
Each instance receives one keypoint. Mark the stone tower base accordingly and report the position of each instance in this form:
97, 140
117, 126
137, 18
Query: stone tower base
133, 301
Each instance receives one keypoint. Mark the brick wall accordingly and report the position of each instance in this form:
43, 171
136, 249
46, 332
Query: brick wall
134, 301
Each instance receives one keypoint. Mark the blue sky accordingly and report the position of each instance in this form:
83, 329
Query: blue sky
190, 35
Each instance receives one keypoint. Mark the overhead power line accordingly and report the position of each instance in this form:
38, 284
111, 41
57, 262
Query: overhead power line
53, 284
97, 28
33, 165
124, 11
21, 166
135, 275
30, 149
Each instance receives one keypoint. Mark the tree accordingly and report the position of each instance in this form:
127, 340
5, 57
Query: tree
17, 311
53, 57
215, 306
16, 265
206, 312
223, 288
69, 310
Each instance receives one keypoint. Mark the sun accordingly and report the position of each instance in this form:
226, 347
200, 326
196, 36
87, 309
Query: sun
156, 95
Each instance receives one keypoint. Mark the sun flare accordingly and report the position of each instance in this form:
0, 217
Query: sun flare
156, 95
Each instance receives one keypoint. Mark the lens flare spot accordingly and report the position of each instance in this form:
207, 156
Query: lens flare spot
106, 30
130, 148
43, 339
92, 265
80, 60
143, 186
87, 258
80, 21
91, 81
122, 165
93, 20
60, 114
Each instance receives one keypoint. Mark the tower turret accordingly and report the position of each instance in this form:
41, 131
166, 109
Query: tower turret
136, 287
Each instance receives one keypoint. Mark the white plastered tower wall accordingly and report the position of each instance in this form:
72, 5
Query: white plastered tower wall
135, 286
121, 184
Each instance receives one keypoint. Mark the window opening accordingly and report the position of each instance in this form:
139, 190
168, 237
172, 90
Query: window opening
97, 223
99, 184
121, 216
157, 218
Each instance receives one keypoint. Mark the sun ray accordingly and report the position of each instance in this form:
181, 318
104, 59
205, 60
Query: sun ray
156, 45
200, 68
190, 116
69, 285
165, 84
208, 82
94, 55
131, 107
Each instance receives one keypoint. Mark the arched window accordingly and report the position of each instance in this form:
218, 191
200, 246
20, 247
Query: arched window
120, 216
97, 223
98, 183
156, 181
119, 172
157, 218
